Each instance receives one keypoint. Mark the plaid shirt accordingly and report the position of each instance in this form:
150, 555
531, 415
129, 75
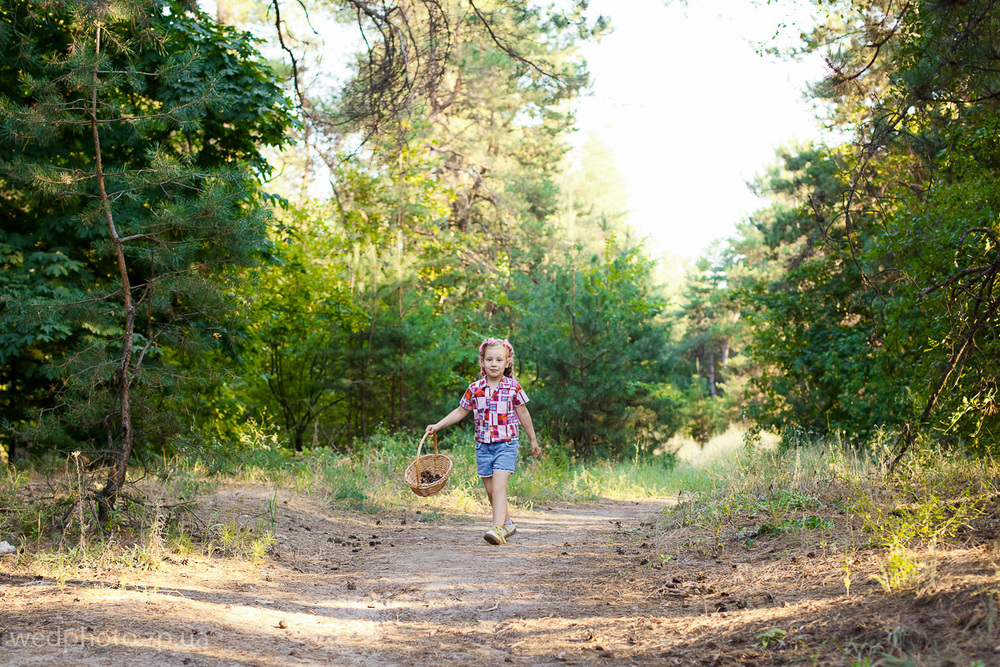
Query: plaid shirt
496, 420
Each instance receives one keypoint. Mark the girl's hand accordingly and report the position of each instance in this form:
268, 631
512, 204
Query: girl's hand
431, 428
536, 451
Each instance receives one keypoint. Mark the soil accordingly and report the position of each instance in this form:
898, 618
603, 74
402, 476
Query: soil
603, 584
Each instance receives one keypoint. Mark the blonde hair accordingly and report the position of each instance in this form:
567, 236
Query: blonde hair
497, 342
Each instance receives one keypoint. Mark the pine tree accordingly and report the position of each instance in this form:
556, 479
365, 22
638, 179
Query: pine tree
133, 130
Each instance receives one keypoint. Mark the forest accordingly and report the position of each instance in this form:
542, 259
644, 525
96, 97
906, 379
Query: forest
227, 241
200, 241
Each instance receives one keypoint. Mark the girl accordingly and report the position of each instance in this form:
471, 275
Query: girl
497, 401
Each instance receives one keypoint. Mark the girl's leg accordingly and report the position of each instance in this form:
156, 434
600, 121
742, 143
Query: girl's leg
496, 491
488, 485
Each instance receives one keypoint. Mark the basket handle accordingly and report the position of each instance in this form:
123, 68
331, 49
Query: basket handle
422, 443
417, 462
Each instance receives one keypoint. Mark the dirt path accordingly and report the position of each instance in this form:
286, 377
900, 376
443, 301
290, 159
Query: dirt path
450, 597
599, 584
364, 591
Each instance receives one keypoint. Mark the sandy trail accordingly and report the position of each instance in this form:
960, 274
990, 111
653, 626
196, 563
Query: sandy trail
360, 591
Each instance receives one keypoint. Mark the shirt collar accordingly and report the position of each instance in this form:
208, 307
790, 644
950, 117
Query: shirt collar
504, 380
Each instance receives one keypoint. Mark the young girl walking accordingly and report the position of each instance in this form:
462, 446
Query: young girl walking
498, 406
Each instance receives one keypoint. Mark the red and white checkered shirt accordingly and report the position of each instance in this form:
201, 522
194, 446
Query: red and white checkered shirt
496, 420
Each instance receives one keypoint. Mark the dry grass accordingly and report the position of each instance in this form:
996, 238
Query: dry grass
876, 568
721, 448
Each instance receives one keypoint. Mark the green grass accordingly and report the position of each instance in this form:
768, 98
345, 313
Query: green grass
369, 479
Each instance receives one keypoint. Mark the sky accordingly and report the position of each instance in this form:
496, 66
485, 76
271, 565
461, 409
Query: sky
692, 112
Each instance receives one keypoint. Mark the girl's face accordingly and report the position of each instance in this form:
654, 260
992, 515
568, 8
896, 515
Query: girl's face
494, 361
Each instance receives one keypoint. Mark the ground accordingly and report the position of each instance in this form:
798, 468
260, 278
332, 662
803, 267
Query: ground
603, 584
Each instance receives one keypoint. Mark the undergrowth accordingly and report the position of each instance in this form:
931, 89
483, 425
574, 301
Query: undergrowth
891, 530
747, 492
47, 507
845, 494
369, 476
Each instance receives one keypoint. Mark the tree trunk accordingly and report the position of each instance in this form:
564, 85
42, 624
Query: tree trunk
399, 295
371, 338
955, 362
711, 372
123, 375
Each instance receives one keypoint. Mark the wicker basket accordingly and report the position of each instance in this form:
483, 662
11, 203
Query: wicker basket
437, 464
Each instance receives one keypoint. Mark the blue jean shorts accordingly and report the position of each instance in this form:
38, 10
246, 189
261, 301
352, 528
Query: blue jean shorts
495, 456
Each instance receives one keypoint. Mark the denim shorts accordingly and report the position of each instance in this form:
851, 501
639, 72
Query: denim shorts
495, 456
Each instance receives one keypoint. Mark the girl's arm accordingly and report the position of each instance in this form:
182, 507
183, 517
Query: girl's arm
455, 416
525, 418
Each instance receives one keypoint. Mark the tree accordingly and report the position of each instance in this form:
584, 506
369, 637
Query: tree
709, 323
593, 202
597, 353
431, 226
813, 326
486, 110
133, 196
350, 340
917, 82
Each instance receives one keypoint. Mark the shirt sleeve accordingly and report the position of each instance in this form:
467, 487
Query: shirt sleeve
520, 398
466, 402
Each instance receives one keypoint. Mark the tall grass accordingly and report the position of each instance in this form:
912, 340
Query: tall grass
933, 498
368, 478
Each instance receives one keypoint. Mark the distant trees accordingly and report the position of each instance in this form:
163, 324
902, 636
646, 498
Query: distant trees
344, 328
597, 349
455, 226
710, 340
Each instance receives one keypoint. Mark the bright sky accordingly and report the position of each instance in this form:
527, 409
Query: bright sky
689, 108
692, 112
